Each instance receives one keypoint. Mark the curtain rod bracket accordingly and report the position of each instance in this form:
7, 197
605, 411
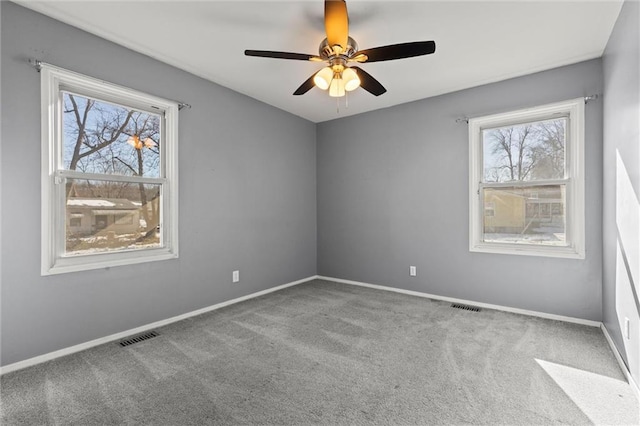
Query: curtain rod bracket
182, 105
462, 120
36, 63
590, 98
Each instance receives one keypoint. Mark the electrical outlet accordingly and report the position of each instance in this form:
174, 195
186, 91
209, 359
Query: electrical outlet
626, 328
412, 271
235, 276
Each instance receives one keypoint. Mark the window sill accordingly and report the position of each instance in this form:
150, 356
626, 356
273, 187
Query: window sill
522, 250
105, 261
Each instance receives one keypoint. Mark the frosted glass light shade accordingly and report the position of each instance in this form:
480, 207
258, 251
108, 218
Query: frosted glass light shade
336, 89
323, 78
351, 80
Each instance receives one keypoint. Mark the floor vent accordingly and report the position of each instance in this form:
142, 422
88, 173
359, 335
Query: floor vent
465, 307
139, 338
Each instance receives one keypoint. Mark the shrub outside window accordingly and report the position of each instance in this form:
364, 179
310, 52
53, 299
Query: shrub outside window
109, 174
527, 181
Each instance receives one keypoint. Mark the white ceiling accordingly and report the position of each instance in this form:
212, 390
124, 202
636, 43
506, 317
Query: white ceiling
477, 42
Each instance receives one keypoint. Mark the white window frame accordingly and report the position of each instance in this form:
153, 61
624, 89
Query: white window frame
574, 179
53, 81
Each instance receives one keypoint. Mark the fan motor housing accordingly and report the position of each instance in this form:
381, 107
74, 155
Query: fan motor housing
326, 52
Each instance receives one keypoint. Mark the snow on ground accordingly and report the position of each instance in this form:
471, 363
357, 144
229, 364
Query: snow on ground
102, 244
549, 239
98, 250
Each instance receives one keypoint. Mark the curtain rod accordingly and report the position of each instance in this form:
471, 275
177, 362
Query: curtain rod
37, 64
587, 99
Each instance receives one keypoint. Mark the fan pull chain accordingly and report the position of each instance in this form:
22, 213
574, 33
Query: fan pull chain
337, 105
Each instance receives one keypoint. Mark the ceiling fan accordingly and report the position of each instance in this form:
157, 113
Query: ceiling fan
338, 50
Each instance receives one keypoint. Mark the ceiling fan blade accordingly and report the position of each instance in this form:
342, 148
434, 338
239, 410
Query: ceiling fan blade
282, 55
305, 87
368, 83
336, 22
399, 51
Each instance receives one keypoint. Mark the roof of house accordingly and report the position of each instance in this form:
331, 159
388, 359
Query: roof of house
103, 203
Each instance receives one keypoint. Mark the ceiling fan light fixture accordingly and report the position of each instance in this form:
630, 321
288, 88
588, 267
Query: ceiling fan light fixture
323, 78
338, 49
336, 90
351, 80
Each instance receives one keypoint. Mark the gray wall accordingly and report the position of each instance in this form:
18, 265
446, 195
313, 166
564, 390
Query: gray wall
621, 192
393, 192
391, 189
247, 197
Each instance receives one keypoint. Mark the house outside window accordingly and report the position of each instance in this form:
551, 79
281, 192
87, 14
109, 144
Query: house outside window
109, 174
527, 181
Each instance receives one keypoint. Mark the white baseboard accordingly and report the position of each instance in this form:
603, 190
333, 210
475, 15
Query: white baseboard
469, 302
117, 336
623, 366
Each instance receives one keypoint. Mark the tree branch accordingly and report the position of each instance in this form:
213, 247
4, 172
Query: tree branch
135, 173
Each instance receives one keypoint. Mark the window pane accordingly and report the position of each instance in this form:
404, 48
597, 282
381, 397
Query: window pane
100, 137
525, 215
525, 152
104, 216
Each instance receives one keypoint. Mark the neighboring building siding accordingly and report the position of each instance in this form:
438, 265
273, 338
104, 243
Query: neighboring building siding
508, 212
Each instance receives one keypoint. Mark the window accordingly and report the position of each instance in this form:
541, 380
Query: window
527, 181
489, 208
109, 174
75, 221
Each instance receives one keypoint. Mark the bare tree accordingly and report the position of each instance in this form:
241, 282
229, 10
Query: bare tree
525, 152
512, 148
549, 154
107, 128
108, 139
